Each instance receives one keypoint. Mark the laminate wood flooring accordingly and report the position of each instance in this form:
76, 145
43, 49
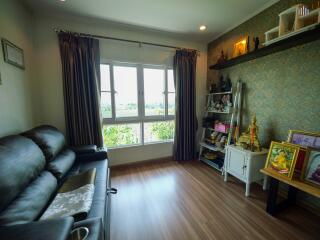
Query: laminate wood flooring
172, 201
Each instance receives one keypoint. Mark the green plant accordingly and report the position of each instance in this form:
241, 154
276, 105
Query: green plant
163, 130
115, 135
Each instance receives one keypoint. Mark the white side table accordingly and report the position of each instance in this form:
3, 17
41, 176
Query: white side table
245, 165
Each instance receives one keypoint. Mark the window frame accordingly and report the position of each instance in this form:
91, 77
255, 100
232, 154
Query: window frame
141, 118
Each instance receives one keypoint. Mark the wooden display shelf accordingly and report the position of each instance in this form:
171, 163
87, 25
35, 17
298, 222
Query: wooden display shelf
294, 183
295, 40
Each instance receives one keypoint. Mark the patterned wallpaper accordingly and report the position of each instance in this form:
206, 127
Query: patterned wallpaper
283, 89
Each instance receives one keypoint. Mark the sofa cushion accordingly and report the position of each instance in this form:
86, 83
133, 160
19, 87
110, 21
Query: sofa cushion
31, 202
49, 139
99, 198
21, 161
62, 163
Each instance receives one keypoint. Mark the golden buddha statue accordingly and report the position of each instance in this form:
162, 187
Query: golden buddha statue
249, 139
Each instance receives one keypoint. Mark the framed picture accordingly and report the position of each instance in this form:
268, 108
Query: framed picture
311, 169
12, 54
240, 47
304, 139
300, 159
282, 158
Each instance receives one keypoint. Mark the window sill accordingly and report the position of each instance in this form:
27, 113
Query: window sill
139, 145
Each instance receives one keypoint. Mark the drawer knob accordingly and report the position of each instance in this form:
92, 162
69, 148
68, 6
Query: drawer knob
112, 190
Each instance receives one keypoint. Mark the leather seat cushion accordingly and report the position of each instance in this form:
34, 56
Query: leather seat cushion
31, 202
62, 163
99, 197
49, 139
21, 161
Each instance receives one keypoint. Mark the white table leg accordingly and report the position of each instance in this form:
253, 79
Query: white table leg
225, 176
265, 183
247, 190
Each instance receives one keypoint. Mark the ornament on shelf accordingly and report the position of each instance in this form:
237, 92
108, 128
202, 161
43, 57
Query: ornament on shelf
249, 139
256, 43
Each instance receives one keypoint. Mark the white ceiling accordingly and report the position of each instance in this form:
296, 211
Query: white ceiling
182, 17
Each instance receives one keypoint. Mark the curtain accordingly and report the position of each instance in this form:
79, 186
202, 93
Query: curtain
184, 67
80, 59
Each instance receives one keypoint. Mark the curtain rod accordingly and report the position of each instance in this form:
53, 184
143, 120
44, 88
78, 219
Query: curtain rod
123, 40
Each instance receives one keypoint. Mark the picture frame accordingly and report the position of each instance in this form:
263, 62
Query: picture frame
240, 47
311, 168
13, 54
304, 139
282, 158
300, 159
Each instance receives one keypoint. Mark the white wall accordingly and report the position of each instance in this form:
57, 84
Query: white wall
48, 90
16, 113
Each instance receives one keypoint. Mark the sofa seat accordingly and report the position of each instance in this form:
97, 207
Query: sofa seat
35, 164
99, 197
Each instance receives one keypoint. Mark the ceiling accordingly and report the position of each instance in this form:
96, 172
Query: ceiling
181, 17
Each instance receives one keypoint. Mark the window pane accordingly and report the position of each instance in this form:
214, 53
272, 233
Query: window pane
158, 131
121, 134
105, 77
106, 105
126, 99
171, 103
170, 81
154, 91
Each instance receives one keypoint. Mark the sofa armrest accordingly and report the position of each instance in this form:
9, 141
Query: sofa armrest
90, 153
84, 149
55, 229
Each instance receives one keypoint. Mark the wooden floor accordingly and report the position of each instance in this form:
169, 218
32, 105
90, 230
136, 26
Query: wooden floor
190, 201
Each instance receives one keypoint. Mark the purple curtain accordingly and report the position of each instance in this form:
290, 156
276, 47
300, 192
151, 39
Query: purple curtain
80, 59
184, 66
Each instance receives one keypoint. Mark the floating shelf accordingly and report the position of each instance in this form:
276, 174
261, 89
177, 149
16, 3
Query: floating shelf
292, 41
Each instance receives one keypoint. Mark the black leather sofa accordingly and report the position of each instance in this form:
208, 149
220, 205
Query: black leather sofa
33, 165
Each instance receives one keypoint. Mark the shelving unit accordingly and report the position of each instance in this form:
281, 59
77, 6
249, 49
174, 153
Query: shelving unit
282, 44
235, 111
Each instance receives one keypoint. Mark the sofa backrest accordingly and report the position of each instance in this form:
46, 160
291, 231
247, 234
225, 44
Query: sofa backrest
21, 161
49, 139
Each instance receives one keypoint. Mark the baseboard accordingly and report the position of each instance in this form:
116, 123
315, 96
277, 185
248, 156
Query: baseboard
143, 162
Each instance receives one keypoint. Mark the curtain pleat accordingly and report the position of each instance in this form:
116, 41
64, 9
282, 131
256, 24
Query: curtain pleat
80, 57
184, 66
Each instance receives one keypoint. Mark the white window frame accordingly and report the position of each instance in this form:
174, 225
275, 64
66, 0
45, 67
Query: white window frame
141, 118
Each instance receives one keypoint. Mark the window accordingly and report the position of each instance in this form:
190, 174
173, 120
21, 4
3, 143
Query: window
137, 104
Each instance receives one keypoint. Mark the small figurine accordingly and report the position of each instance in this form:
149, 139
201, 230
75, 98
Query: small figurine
223, 84
213, 88
228, 85
249, 139
256, 43
222, 58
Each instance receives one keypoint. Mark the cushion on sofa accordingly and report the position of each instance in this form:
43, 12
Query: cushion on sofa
21, 161
62, 163
31, 202
50, 140
99, 198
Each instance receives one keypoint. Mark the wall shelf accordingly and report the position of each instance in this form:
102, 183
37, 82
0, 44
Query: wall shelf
295, 40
